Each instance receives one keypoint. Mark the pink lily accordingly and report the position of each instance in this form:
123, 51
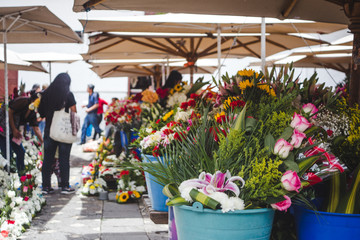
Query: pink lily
209, 183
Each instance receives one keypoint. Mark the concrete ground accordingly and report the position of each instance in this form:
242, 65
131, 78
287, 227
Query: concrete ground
68, 217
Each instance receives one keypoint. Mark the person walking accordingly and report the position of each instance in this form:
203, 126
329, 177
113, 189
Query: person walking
19, 115
54, 98
100, 112
91, 117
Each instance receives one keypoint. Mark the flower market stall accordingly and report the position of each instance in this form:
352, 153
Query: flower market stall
20, 196
252, 151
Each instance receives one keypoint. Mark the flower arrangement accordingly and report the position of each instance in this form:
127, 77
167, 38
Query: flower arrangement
94, 187
20, 197
124, 114
265, 165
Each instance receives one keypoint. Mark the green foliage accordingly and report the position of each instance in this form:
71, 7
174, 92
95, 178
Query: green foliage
277, 122
262, 180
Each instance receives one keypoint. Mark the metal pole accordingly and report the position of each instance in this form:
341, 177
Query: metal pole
263, 45
7, 126
163, 77
167, 66
50, 72
219, 50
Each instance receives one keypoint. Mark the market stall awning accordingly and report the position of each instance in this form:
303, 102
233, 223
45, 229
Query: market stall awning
191, 23
35, 25
106, 70
317, 10
339, 60
15, 62
51, 57
190, 47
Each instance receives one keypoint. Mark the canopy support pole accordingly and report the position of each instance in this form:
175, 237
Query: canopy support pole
263, 44
163, 74
50, 72
7, 126
167, 66
352, 11
219, 50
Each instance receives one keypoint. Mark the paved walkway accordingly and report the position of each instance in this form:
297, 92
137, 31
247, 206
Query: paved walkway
76, 216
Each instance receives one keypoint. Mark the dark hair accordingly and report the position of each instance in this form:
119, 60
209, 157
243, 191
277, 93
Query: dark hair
174, 78
54, 97
91, 86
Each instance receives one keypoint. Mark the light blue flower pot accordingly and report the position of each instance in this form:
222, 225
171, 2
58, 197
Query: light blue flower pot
324, 225
157, 198
197, 223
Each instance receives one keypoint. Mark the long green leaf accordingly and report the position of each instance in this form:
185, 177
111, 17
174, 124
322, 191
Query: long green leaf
171, 190
306, 164
334, 192
178, 201
240, 120
352, 205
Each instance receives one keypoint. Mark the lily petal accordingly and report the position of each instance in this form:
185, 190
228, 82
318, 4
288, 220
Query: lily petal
218, 179
195, 183
208, 177
236, 178
232, 187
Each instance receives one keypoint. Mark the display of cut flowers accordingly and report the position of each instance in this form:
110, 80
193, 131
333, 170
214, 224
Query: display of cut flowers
124, 114
256, 155
20, 197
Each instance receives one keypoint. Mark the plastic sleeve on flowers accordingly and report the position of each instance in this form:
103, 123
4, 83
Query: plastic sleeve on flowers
204, 199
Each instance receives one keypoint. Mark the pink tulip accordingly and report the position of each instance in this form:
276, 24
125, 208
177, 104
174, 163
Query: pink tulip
297, 138
310, 109
25, 189
282, 148
283, 205
291, 181
300, 123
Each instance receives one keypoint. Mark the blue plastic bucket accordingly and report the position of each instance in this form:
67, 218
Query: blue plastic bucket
324, 225
157, 198
197, 223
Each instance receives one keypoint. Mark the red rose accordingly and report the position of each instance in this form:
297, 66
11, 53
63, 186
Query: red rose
26, 198
184, 106
162, 92
192, 103
137, 97
194, 96
130, 192
124, 172
10, 221
172, 123
329, 132
168, 132
31, 187
178, 137
153, 131
28, 176
23, 178
157, 122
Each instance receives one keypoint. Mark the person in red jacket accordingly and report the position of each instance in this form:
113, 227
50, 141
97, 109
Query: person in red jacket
100, 112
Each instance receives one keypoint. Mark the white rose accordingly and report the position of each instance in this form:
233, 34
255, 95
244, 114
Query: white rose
11, 194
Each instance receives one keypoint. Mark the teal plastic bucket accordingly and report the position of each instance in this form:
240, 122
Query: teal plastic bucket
197, 223
157, 198
324, 225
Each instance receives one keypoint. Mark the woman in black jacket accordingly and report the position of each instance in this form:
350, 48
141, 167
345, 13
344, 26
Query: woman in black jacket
54, 98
